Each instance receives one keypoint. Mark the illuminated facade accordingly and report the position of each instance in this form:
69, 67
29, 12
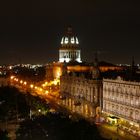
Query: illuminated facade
122, 99
117, 99
81, 93
69, 49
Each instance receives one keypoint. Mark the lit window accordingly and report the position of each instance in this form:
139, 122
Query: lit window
72, 40
77, 42
62, 40
66, 40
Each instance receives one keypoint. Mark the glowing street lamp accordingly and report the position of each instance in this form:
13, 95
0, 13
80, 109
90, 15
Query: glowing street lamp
15, 79
47, 92
43, 85
11, 77
25, 83
31, 86
40, 89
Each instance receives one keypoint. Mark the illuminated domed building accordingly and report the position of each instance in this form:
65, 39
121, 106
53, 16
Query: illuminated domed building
69, 49
70, 52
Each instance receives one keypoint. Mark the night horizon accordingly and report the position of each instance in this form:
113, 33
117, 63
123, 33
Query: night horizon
32, 32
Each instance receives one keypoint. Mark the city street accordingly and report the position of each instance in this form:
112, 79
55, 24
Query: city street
110, 132
52, 97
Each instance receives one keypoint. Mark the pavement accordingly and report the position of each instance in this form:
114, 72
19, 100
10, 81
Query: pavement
11, 127
111, 132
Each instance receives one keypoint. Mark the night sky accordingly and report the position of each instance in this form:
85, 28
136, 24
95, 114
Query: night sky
31, 31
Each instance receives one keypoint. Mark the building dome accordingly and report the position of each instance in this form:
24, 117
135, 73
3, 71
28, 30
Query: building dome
69, 38
69, 49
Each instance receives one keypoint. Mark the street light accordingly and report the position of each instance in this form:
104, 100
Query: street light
11, 77
25, 83
117, 127
47, 92
43, 85
31, 85
40, 89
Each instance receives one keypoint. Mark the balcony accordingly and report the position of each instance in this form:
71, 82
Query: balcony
77, 103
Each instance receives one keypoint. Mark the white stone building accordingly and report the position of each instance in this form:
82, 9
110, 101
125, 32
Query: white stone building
122, 99
81, 93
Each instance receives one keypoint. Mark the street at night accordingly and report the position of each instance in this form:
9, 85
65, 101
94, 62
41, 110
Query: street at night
44, 117
45, 122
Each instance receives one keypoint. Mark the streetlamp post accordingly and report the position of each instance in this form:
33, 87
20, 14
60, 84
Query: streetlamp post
30, 113
117, 129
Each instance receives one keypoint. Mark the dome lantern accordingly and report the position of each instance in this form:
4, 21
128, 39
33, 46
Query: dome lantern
69, 38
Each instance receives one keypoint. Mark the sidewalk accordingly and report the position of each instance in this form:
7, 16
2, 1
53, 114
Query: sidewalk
11, 127
111, 132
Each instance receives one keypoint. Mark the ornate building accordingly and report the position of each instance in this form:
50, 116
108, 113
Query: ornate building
122, 100
69, 49
81, 92
118, 100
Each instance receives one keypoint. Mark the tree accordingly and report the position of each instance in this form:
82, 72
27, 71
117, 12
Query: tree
4, 135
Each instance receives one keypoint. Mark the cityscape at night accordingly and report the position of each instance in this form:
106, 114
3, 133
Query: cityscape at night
69, 70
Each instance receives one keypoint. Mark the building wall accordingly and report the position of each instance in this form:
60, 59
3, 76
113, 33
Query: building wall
79, 90
69, 55
122, 99
54, 70
112, 68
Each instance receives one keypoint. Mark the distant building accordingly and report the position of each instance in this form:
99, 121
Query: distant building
49, 72
4, 81
69, 49
70, 52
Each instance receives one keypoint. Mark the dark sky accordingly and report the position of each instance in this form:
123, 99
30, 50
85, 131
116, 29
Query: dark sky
31, 31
